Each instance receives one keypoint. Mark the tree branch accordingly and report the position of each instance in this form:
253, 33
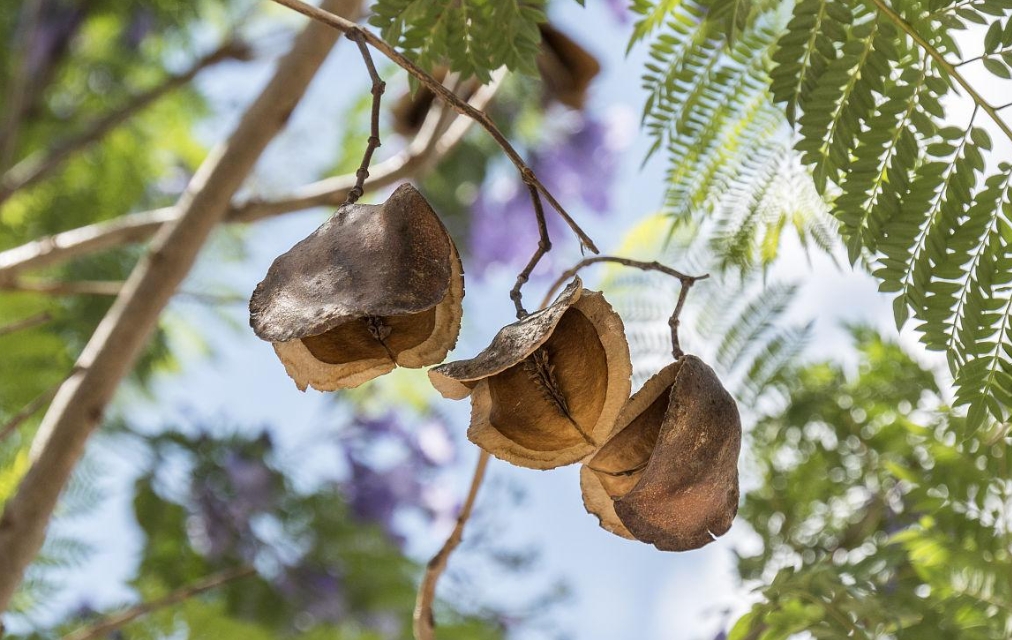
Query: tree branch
39, 165
107, 625
627, 262
27, 323
455, 102
946, 66
29, 410
112, 350
378, 87
544, 246
686, 282
66, 288
423, 621
435, 140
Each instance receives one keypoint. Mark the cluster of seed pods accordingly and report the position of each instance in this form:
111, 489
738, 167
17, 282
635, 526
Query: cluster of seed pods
380, 286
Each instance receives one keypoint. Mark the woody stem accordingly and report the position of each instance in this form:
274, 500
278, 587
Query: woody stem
544, 246
378, 86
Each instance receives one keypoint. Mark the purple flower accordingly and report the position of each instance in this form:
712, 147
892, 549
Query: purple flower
391, 468
619, 10
253, 485
316, 591
578, 166
377, 495
227, 498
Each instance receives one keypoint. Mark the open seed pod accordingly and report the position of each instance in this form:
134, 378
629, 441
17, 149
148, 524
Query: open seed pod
374, 287
547, 391
669, 473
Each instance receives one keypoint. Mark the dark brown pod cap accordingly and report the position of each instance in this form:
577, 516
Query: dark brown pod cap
547, 391
374, 287
565, 67
671, 466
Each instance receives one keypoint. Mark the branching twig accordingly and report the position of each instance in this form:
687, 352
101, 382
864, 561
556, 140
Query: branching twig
27, 323
455, 102
544, 246
424, 623
433, 143
635, 264
686, 282
78, 407
946, 66
378, 87
39, 165
107, 625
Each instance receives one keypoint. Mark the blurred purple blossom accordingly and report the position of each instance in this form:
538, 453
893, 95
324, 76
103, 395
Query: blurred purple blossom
142, 22
316, 591
58, 22
229, 496
578, 166
391, 469
619, 10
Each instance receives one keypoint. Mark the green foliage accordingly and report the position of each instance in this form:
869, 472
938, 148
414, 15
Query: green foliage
926, 200
727, 146
919, 190
882, 514
473, 37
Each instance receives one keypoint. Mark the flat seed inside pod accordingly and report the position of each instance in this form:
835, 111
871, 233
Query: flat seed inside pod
620, 463
553, 398
372, 337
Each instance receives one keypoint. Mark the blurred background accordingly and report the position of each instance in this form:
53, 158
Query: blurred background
211, 459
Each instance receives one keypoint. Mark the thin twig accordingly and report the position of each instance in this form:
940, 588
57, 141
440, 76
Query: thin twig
66, 288
1004, 106
946, 66
26, 323
544, 246
635, 264
107, 625
424, 623
39, 165
31, 408
686, 282
378, 86
674, 320
455, 102
432, 143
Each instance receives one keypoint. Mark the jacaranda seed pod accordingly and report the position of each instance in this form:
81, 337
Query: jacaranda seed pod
669, 473
547, 391
374, 287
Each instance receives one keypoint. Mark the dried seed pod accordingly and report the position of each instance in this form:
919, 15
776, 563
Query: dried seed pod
374, 287
669, 473
547, 391
411, 108
565, 67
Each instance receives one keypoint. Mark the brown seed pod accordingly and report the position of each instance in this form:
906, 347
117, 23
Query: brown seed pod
565, 67
669, 473
374, 287
547, 391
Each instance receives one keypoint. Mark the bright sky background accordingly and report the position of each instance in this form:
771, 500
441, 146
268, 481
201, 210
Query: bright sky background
622, 590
